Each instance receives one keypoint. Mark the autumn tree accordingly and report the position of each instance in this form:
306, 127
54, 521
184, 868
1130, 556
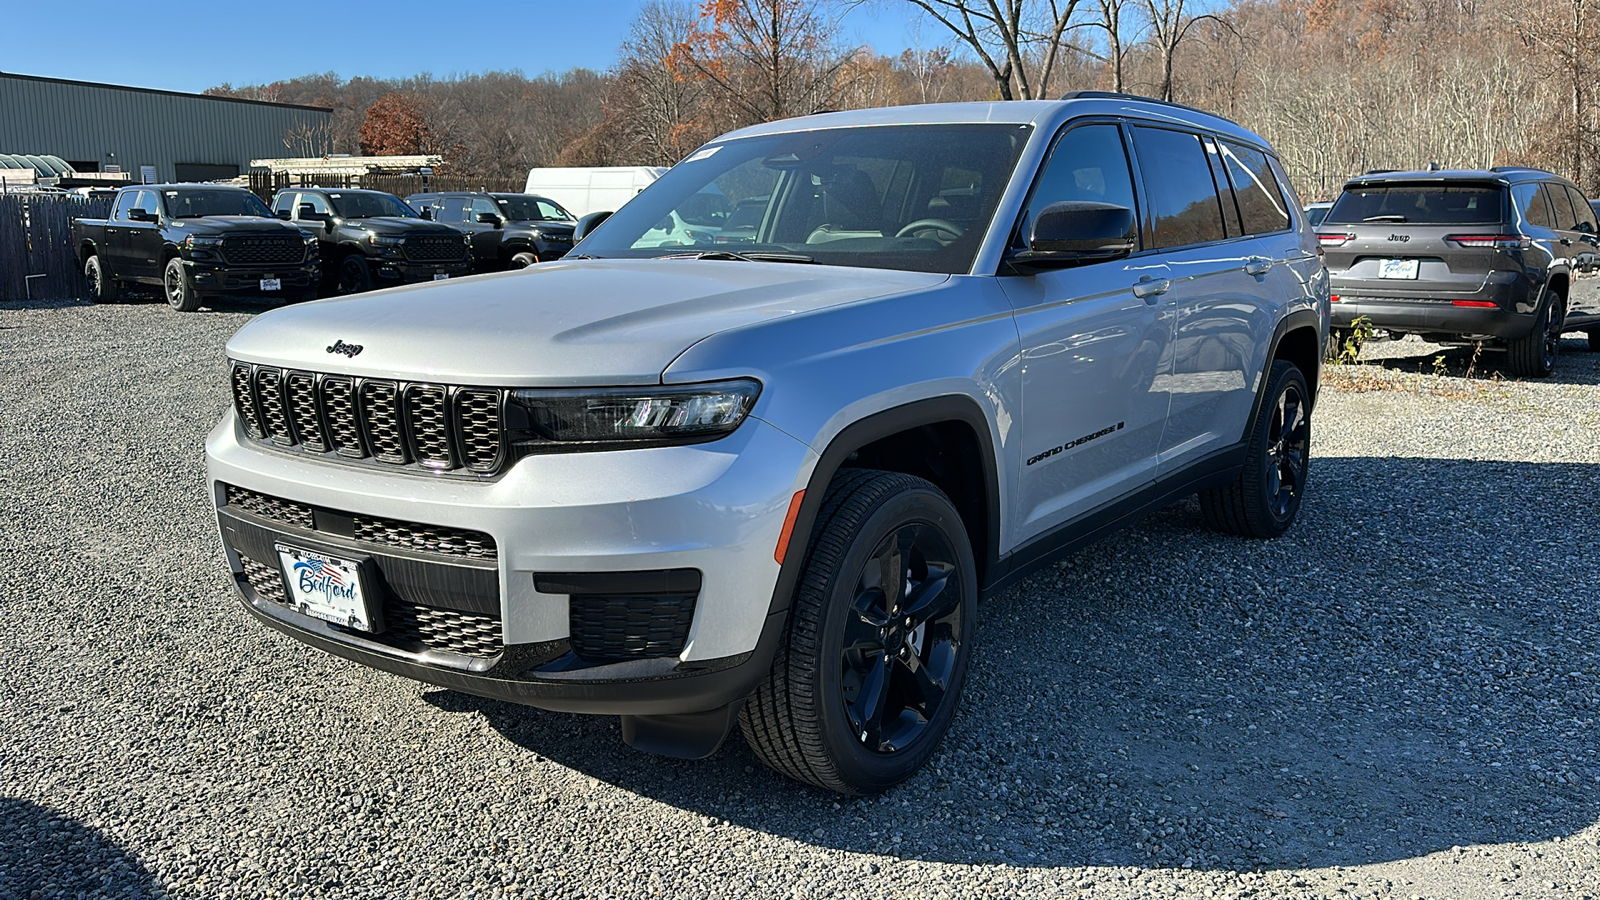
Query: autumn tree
1018, 41
764, 59
394, 126
659, 98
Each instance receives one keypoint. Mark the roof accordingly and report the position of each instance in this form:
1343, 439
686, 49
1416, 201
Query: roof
139, 90
1041, 113
45, 165
1498, 175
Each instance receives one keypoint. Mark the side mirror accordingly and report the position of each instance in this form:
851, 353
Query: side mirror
588, 223
426, 213
282, 214
489, 219
1077, 232
309, 213
138, 214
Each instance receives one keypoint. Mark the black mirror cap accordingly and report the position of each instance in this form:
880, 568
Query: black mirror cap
589, 223
488, 219
427, 213
1074, 232
282, 214
139, 214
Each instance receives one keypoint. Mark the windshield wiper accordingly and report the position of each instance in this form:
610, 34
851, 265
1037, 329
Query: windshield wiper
1392, 217
752, 256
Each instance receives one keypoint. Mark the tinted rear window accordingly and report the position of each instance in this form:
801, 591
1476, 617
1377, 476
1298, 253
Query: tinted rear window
1432, 204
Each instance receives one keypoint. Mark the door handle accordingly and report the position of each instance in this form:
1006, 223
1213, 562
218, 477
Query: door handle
1149, 286
1566, 242
1257, 265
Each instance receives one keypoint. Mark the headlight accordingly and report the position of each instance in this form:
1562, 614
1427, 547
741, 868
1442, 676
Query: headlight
616, 418
386, 240
196, 240
466, 239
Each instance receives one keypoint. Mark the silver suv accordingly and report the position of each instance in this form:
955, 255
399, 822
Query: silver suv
761, 475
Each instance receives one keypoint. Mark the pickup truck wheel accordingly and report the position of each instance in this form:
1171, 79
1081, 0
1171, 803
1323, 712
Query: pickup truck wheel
355, 276
868, 677
1594, 341
102, 288
180, 293
521, 260
1534, 356
1265, 498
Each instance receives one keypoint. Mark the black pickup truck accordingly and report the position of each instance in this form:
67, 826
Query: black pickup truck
195, 241
373, 239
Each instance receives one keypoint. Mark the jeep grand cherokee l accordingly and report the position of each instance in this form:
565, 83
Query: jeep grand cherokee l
765, 484
1506, 256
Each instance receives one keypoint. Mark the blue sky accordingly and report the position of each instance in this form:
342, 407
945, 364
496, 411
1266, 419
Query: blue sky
191, 48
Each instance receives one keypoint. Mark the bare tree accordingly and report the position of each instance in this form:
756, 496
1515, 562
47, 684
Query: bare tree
1018, 41
658, 100
1170, 23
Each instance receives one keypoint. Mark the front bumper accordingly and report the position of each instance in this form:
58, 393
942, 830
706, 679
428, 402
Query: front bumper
715, 509
390, 272
223, 279
1421, 309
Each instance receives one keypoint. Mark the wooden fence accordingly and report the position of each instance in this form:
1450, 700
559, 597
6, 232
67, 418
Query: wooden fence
36, 254
265, 184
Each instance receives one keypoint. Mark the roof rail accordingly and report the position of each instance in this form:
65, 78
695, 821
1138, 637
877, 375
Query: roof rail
1113, 95
1521, 169
1379, 171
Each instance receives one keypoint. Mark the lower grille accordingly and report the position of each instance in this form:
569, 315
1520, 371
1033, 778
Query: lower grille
285, 511
267, 583
424, 538
611, 629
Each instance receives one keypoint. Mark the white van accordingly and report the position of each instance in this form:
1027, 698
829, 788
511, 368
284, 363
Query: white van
586, 189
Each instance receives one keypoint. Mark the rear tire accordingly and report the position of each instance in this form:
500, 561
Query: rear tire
1534, 356
102, 287
522, 260
180, 293
869, 674
1265, 499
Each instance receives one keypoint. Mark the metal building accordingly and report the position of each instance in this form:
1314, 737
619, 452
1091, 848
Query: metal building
182, 137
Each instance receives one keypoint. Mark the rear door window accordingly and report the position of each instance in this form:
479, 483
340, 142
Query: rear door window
1261, 205
1183, 196
1582, 213
1421, 204
1530, 201
1560, 206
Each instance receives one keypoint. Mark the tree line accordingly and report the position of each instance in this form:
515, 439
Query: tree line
1338, 86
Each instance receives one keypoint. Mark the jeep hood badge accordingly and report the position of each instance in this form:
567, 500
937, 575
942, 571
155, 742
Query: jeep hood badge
349, 350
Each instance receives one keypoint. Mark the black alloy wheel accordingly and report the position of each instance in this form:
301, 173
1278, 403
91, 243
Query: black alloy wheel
902, 639
868, 677
1265, 498
102, 288
180, 293
522, 260
1534, 356
355, 276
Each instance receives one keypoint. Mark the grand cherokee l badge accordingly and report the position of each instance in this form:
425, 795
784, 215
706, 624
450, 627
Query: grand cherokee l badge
347, 349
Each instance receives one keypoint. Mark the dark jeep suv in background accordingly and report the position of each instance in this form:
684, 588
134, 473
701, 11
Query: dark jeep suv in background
509, 231
373, 239
1507, 256
195, 241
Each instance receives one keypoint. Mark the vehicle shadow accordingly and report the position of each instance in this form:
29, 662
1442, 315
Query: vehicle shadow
45, 854
1404, 672
1575, 364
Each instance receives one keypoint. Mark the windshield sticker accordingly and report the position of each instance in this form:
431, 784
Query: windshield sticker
703, 153
172, 193
335, 196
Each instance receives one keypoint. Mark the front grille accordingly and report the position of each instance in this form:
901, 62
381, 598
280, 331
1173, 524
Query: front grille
435, 248
263, 250
425, 538
279, 510
415, 536
610, 628
409, 625
423, 427
406, 626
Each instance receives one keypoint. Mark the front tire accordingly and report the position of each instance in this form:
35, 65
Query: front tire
1265, 499
522, 260
181, 295
1534, 356
869, 675
102, 287
355, 276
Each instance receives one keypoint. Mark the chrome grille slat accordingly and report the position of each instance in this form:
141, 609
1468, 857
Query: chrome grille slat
424, 538
275, 508
418, 426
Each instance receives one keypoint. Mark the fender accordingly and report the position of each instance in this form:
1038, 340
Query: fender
950, 407
1300, 318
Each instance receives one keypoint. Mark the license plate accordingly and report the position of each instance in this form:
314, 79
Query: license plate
271, 284
324, 586
1398, 268
441, 276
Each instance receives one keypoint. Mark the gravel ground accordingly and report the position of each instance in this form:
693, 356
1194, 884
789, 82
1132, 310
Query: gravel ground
1398, 699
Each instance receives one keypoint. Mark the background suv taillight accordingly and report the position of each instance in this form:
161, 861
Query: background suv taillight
1333, 239
1489, 241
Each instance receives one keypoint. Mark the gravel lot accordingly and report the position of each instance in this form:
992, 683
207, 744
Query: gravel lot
1398, 699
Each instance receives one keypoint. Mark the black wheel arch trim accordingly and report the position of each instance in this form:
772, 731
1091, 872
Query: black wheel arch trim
1300, 318
930, 411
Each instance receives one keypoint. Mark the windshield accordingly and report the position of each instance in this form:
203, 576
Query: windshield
532, 209
1431, 204
913, 197
367, 206
192, 204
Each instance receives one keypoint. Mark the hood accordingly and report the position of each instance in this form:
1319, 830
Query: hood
233, 225
399, 225
586, 322
558, 229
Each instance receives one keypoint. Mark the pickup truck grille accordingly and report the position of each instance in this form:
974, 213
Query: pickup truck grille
427, 248
389, 424
263, 250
